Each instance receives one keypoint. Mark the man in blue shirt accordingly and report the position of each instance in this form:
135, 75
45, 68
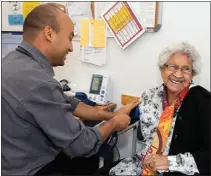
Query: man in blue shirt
37, 118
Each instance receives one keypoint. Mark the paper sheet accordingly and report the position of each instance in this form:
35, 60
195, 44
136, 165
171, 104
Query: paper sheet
84, 32
93, 33
78, 11
95, 56
99, 33
99, 7
147, 13
28, 7
15, 7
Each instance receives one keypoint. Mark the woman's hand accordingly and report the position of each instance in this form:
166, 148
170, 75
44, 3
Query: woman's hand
128, 107
156, 162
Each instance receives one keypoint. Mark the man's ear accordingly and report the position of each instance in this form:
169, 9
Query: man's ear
48, 32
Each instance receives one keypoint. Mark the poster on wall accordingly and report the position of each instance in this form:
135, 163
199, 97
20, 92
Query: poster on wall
15, 16
123, 23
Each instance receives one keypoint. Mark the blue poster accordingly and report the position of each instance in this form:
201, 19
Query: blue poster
15, 19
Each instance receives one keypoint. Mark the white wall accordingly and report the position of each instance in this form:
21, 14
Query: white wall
134, 69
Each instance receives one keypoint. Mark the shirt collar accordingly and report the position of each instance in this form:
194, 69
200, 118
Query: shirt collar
38, 56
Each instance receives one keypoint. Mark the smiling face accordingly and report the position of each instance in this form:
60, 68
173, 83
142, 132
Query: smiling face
177, 79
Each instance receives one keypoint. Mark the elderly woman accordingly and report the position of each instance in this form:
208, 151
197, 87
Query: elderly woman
174, 121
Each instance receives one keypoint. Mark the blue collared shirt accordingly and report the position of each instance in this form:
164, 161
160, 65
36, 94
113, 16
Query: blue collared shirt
37, 119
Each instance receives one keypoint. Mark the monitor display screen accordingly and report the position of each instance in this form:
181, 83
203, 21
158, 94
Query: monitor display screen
96, 84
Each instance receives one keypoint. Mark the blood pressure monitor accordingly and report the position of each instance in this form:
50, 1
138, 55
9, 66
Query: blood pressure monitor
99, 89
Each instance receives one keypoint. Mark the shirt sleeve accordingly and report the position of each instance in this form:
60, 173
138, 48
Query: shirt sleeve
72, 100
49, 108
183, 163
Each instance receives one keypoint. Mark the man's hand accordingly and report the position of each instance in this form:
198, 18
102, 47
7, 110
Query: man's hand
121, 122
156, 162
128, 107
117, 123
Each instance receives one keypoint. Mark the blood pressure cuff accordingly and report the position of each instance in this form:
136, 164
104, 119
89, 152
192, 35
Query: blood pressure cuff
135, 114
83, 97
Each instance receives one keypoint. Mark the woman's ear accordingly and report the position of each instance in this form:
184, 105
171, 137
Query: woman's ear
191, 79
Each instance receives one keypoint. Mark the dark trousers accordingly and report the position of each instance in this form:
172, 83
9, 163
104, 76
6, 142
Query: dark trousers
63, 165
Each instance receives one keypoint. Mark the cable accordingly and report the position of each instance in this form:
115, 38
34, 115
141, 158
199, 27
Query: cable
107, 105
109, 110
117, 153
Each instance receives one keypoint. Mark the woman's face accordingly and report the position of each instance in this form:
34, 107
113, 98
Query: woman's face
177, 73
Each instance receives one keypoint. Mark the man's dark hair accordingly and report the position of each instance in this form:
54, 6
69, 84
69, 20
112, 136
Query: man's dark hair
39, 17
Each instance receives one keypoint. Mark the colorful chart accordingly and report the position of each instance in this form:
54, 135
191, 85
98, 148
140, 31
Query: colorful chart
123, 23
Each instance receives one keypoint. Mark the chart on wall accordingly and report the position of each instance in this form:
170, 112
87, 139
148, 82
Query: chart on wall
123, 23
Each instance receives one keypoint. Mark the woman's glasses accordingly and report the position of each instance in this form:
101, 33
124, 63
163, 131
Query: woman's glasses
175, 68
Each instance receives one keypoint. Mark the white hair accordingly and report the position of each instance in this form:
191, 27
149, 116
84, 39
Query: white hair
183, 48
